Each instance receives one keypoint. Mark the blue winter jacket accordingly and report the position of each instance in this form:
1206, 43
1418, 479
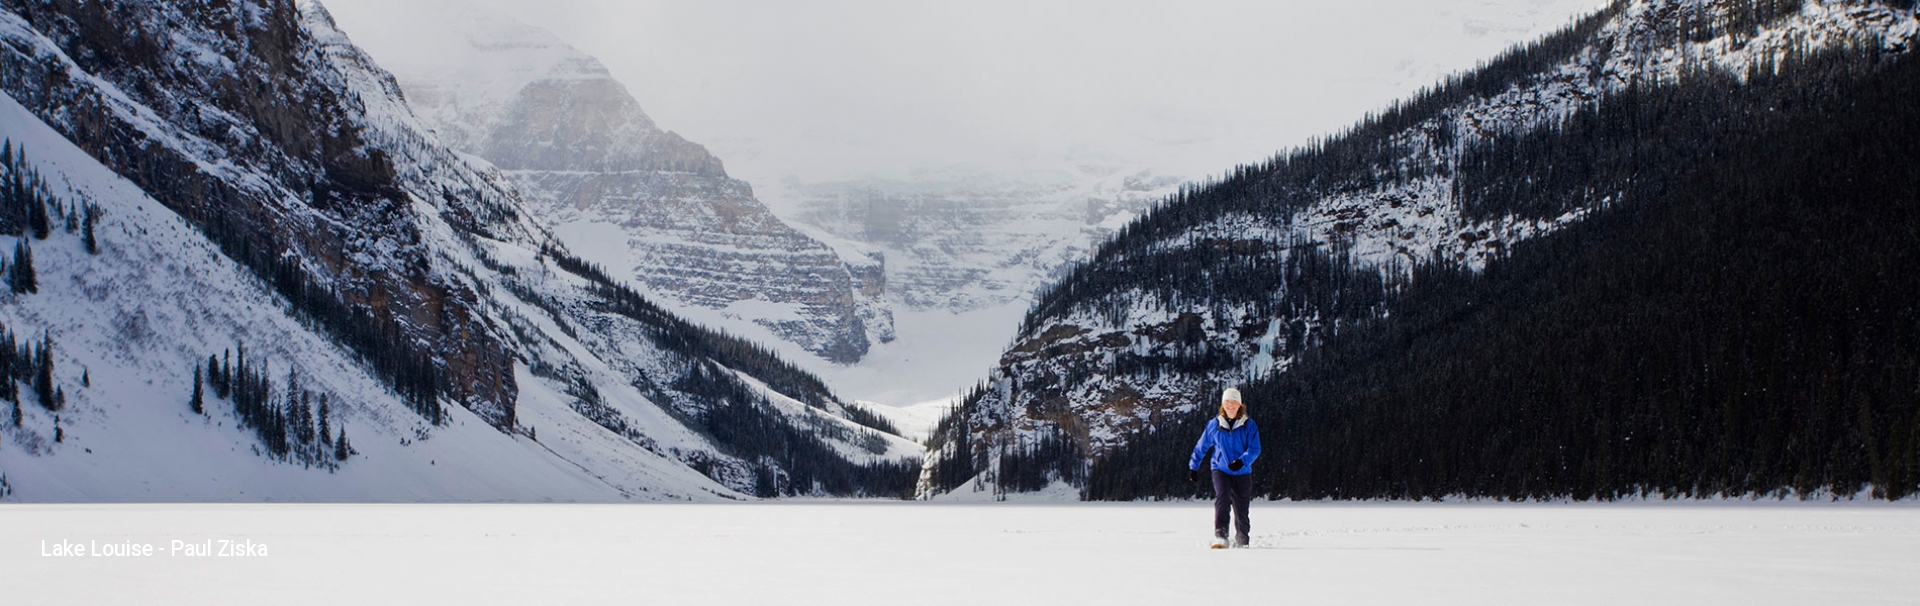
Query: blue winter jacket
1230, 440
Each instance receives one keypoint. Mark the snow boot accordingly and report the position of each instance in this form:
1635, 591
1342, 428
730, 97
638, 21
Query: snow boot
1219, 541
1240, 541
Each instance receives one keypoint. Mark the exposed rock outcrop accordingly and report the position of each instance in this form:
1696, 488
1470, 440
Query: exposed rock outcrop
580, 147
245, 122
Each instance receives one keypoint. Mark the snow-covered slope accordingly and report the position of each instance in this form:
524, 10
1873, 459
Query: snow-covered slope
1119, 342
264, 186
965, 252
137, 319
1374, 554
644, 202
940, 262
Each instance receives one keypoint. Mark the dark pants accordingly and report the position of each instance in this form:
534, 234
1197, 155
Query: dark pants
1230, 492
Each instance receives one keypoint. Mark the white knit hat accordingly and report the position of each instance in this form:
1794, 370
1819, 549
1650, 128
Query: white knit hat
1231, 394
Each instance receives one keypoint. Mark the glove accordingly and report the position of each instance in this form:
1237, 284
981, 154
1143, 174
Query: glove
1236, 465
1193, 476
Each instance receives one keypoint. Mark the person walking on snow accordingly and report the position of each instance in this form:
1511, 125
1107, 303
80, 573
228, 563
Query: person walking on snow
1235, 441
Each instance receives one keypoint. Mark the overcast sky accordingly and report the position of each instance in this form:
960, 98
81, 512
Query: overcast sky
831, 89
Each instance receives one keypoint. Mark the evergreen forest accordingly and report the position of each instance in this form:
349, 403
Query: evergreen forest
1743, 319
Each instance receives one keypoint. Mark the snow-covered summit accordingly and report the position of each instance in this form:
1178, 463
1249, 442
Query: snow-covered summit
655, 209
520, 97
277, 224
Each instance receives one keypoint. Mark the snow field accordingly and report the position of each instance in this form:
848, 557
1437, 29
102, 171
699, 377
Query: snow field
141, 315
828, 552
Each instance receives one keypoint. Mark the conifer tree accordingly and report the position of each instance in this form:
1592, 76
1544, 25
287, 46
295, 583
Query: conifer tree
43, 388
303, 420
12, 212
198, 402
20, 277
214, 378
10, 364
37, 218
87, 236
299, 428
326, 430
293, 386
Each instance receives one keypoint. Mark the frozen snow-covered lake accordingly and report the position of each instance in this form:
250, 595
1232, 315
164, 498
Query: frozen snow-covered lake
918, 553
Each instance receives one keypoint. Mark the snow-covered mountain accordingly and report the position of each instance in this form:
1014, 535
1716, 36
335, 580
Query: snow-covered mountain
961, 240
272, 235
965, 251
647, 204
943, 261
1233, 280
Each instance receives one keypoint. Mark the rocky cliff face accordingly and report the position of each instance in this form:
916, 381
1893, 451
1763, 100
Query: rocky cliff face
240, 119
1233, 280
588, 158
265, 186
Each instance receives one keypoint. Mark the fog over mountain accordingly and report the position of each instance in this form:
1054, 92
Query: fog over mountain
844, 89
979, 149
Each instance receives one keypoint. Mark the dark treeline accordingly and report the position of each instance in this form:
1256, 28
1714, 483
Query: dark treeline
404, 364
24, 196
22, 278
1302, 282
29, 363
677, 335
738, 418
29, 208
300, 138
1366, 157
950, 445
1018, 465
1308, 285
1739, 20
294, 423
744, 425
1361, 158
1743, 320
1026, 467
1594, 155
867, 418
588, 403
